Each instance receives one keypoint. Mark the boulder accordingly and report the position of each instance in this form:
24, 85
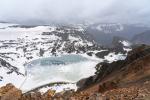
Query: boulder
10, 92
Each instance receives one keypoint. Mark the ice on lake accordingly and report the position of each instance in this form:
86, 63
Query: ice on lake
65, 68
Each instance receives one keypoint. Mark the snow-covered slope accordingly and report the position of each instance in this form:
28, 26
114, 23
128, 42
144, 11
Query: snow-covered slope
22, 44
9, 72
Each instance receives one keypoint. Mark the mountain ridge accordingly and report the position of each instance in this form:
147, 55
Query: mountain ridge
142, 38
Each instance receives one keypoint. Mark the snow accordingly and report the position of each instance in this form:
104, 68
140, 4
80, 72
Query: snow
74, 38
32, 40
14, 78
16, 32
114, 57
126, 43
37, 75
35, 41
6, 25
59, 88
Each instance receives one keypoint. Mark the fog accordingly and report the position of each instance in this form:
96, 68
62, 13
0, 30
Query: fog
75, 11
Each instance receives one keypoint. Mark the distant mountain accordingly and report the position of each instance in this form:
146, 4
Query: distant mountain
142, 38
103, 33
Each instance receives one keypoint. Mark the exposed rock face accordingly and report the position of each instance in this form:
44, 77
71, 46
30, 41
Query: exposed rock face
122, 78
9, 92
32, 96
48, 95
102, 54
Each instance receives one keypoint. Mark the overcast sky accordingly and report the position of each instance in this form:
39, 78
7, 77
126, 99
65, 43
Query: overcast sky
61, 11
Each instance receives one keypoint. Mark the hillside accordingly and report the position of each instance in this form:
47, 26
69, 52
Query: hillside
128, 79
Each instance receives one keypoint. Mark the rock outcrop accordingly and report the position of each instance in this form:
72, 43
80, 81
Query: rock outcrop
10, 92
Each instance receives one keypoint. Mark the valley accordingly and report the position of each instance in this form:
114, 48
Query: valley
59, 58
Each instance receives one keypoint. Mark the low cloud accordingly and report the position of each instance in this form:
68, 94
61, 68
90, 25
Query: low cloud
74, 11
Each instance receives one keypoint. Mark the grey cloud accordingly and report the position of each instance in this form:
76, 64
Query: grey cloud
62, 11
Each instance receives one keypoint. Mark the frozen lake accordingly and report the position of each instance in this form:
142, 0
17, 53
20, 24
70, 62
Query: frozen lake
65, 68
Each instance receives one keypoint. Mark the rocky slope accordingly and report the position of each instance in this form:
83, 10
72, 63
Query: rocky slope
122, 79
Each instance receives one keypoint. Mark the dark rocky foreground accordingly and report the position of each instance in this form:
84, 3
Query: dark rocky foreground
127, 79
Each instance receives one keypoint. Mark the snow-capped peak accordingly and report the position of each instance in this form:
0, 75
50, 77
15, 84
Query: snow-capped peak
109, 27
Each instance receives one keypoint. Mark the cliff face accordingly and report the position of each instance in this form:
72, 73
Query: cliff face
121, 80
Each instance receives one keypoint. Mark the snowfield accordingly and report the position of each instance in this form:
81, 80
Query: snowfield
20, 45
